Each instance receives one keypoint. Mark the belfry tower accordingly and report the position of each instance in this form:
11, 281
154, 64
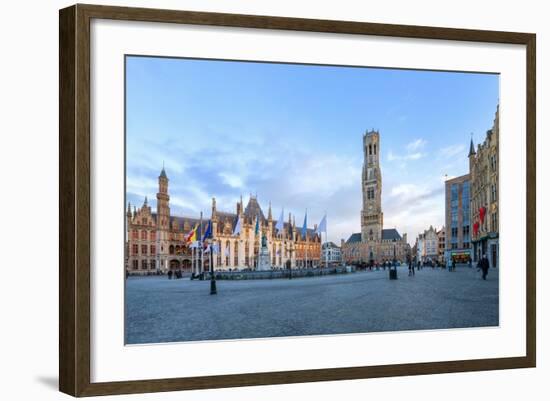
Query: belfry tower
371, 216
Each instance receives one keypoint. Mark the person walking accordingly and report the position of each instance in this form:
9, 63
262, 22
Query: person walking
411, 267
454, 265
484, 264
449, 264
169, 274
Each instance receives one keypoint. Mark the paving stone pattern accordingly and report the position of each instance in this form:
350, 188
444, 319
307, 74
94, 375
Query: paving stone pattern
162, 310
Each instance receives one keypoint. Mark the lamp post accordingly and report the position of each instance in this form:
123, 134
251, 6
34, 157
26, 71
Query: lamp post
289, 262
213, 290
393, 272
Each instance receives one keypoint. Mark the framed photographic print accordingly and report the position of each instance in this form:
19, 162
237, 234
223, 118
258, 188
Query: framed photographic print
250, 200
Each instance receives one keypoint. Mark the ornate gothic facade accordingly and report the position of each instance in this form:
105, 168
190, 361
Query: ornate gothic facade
156, 240
373, 244
485, 195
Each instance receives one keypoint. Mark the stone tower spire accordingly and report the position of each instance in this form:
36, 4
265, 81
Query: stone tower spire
163, 202
371, 215
128, 216
214, 218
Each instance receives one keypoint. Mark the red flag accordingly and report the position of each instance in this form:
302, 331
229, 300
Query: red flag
482, 211
476, 228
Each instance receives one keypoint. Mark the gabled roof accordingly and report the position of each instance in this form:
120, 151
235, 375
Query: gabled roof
253, 209
390, 234
355, 237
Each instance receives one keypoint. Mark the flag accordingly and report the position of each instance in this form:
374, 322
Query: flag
304, 227
237, 229
195, 244
280, 223
322, 227
207, 248
208, 232
257, 229
191, 235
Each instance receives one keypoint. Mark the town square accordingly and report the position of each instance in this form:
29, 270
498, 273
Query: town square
231, 239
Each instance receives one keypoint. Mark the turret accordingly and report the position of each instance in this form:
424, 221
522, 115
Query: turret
214, 210
128, 216
214, 218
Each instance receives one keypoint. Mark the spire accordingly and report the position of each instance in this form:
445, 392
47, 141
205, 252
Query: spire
214, 208
145, 201
129, 211
472, 149
269, 216
163, 171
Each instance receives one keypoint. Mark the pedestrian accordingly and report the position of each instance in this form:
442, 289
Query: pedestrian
454, 265
169, 274
411, 267
484, 264
449, 264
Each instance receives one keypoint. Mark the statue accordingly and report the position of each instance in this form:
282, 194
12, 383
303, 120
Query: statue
264, 260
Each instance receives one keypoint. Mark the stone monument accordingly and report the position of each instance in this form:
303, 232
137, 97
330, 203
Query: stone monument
264, 260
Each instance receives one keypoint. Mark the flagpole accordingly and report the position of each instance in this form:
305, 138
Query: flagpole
201, 250
305, 233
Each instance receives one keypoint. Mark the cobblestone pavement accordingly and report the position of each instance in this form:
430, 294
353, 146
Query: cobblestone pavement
162, 310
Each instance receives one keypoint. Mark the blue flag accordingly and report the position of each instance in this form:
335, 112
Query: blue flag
208, 232
257, 230
304, 227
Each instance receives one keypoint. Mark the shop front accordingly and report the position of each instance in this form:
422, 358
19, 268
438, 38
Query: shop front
488, 246
461, 255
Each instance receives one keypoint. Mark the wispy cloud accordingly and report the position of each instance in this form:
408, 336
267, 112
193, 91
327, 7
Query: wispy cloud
452, 151
413, 151
416, 144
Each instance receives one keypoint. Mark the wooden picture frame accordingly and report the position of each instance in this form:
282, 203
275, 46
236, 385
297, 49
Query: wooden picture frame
75, 208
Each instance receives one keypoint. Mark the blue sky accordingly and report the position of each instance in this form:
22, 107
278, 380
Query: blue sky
292, 134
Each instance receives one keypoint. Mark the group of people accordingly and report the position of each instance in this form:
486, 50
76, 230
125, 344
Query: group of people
482, 264
174, 274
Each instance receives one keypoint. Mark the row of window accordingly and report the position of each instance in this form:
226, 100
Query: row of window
144, 249
136, 235
145, 264
465, 245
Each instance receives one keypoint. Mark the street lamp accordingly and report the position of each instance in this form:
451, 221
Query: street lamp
289, 261
213, 290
